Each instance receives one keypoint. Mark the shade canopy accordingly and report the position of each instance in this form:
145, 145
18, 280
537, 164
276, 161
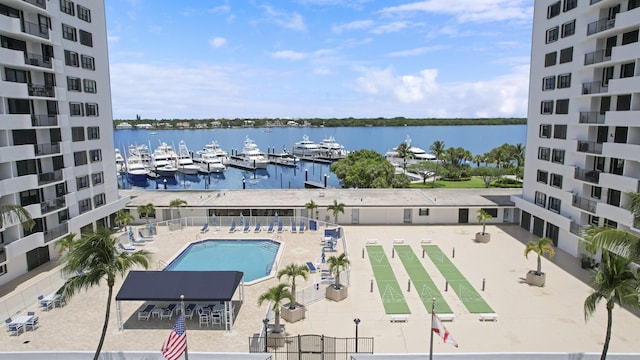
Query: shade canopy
169, 285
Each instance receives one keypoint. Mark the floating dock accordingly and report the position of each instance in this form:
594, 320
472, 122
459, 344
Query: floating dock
314, 185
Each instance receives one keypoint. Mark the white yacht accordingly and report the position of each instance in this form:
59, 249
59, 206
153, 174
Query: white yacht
251, 156
208, 159
283, 158
185, 163
329, 148
120, 165
141, 152
136, 170
305, 148
163, 160
417, 153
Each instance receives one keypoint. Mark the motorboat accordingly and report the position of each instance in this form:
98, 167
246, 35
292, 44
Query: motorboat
185, 163
136, 169
120, 164
329, 148
305, 148
284, 158
250, 156
141, 152
417, 154
163, 160
208, 160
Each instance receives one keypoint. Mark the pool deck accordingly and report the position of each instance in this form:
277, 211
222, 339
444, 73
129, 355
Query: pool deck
530, 319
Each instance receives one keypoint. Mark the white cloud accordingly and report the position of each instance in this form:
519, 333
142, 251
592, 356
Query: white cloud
289, 55
217, 42
322, 70
354, 25
469, 10
222, 9
293, 21
417, 51
113, 38
390, 27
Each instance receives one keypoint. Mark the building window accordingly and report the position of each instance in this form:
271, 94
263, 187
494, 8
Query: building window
3, 268
630, 37
633, 4
14, 75
77, 133
559, 131
97, 178
545, 131
19, 106
84, 205
544, 153
556, 181
613, 197
66, 7
616, 166
86, 38
623, 103
73, 84
552, 35
98, 200
80, 158
593, 220
562, 106
423, 212
69, 32
553, 10
89, 86
627, 70
93, 133
554, 204
569, 28
542, 176
564, 81
84, 13
566, 55
596, 192
550, 59
546, 107
95, 155
91, 109
610, 223
82, 182
558, 156
75, 109
541, 199
150, 215
548, 83
570, 4
88, 62
70, 58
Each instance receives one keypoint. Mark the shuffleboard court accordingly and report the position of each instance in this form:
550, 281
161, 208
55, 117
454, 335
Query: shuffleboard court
422, 282
467, 294
390, 292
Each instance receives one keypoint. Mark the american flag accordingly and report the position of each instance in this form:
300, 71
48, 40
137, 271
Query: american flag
176, 344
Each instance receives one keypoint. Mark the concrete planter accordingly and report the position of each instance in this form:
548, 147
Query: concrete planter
275, 340
483, 238
536, 279
293, 315
337, 294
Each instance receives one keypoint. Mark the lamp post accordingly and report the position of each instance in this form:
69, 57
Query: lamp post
356, 321
265, 322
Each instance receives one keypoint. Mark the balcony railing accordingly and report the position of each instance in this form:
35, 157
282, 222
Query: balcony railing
590, 147
594, 87
600, 25
594, 2
47, 149
37, 60
49, 177
584, 204
591, 176
38, 3
597, 56
44, 120
41, 90
52, 234
52, 205
591, 117
576, 228
40, 30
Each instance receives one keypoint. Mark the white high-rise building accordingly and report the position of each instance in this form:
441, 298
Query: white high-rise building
56, 133
583, 138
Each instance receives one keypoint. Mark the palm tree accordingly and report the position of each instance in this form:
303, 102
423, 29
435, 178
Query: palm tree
616, 283
10, 212
336, 208
336, 265
124, 218
276, 295
404, 152
291, 272
437, 149
66, 243
540, 247
312, 206
177, 203
146, 210
633, 200
97, 256
482, 218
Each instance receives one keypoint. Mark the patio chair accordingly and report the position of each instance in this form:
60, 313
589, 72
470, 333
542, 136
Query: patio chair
257, 229
13, 329
232, 228
270, 229
126, 248
167, 312
204, 318
205, 228
145, 237
44, 305
145, 314
32, 323
216, 318
189, 310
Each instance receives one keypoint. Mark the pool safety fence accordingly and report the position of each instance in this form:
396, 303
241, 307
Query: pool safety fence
303, 347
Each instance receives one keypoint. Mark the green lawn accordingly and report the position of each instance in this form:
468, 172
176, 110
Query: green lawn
390, 292
473, 183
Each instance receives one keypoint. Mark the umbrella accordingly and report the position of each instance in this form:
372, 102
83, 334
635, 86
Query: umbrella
131, 233
275, 218
241, 219
323, 257
213, 219
150, 229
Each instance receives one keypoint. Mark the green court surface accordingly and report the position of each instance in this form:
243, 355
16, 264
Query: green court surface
422, 282
390, 292
467, 294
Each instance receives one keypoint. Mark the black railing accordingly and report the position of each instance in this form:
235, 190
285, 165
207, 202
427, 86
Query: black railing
49, 177
38, 3
310, 346
52, 234
594, 87
591, 117
47, 149
584, 204
600, 25
52, 205
594, 2
576, 229
37, 60
597, 56
41, 90
44, 120
590, 147
591, 176
40, 30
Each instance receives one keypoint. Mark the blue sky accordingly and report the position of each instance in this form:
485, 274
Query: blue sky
319, 58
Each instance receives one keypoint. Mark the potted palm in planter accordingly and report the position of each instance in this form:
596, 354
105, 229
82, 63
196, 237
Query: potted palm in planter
541, 247
293, 311
276, 295
483, 216
337, 291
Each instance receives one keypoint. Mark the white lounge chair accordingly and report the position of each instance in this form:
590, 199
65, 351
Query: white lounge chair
32, 323
145, 314
167, 313
145, 237
126, 247
205, 228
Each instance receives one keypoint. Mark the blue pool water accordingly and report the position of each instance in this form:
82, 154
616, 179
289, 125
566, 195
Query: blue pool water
253, 257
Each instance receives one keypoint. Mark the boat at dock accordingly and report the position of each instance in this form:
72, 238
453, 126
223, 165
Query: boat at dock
120, 164
208, 159
305, 148
330, 149
417, 154
136, 169
163, 161
185, 163
250, 157
283, 158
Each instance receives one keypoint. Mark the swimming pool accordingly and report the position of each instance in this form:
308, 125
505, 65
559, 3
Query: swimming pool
255, 258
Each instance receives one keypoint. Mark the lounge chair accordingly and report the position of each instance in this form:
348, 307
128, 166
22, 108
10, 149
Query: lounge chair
189, 310
167, 312
270, 229
145, 314
144, 237
135, 242
126, 248
246, 228
280, 228
257, 229
205, 228
311, 266
43, 304
32, 323
232, 228
293, 227
301, 228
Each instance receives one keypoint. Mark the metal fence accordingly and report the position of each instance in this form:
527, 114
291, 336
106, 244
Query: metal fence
310, 347
28, 297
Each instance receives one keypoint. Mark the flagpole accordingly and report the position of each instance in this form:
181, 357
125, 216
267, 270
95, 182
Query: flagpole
433, 309
186, 350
